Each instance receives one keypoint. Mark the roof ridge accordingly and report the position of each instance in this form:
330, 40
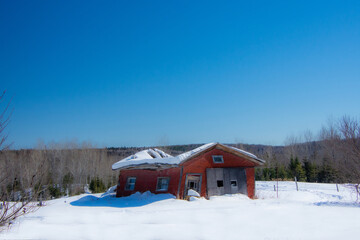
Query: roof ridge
157, 156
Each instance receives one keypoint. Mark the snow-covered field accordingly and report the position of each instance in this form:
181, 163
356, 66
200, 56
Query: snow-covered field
316, 211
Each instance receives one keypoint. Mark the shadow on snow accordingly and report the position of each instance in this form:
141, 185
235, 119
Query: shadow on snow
135, 200
338, 204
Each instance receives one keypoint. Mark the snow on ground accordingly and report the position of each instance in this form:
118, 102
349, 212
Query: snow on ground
316, 211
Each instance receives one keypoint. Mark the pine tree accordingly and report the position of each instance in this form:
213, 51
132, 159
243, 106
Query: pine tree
258, 174
300, 173
296, 169
266, 174
327, 174
292, 167
310, 170
97, 185
282, 172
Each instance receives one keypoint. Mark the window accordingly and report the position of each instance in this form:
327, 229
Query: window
130, 183
162, 184
218, 159
220, 183
233, 183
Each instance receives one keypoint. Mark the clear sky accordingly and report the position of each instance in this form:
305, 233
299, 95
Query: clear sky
140, 73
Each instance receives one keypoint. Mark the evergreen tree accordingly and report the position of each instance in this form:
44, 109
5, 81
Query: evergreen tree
68, 179
299, 172
327, 174
296, 170
272, 172
282, 172
310, 170
292, 167
258, 174
266, 174
97, 185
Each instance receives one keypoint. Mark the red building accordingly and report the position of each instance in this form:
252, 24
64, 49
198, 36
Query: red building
212, 169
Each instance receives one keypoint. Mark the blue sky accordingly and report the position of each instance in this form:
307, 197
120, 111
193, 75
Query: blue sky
140, 73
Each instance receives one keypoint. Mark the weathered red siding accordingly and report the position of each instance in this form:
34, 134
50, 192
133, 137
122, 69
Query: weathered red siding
203, 161
146, 180
250, 179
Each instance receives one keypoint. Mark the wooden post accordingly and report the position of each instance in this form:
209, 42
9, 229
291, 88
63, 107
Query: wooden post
40, 202
337, 187
274, 189
179, 186
297, 188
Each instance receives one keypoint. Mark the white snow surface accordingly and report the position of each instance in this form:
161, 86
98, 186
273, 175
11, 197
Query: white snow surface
146, 156
143, 157
193, 193
316, 211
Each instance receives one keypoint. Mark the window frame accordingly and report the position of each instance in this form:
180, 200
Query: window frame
157, 184
128, 183
231, 185
218, 183
216, 156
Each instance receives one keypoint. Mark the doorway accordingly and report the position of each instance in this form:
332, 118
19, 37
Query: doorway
193, 181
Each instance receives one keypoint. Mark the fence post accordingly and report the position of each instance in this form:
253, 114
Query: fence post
297, 188
337, 187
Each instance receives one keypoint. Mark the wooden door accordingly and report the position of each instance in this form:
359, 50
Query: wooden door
222, 181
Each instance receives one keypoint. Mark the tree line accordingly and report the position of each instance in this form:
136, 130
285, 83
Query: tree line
62, 169
71, 168
331, 155
304, 171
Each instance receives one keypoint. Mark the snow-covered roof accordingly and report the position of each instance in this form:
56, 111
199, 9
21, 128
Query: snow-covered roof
147, 156
158, 157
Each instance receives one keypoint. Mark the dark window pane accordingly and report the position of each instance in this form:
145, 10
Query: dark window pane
162, 184
130, 184
218, 159
220, 183
233, 183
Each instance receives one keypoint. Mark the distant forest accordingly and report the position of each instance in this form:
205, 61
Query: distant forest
70, 168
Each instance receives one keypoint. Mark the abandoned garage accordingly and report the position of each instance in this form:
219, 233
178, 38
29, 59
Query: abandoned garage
211, 169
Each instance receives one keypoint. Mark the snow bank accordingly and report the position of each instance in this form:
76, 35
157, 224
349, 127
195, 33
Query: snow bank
110, 191
109, 200
316, 211
193, 193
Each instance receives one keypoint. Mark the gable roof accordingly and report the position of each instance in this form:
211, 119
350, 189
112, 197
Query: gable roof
141, 160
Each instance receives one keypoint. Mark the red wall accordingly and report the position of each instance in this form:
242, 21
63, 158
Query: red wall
200, 163
146, 180
250, 178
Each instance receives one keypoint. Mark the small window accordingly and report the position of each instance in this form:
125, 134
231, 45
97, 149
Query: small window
162, 184
218, 159
220, 183
130, 184
233, 183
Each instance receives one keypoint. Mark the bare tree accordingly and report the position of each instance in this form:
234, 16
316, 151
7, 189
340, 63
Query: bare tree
342, 140
349, 129
4, 121
292, 146
18, 189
